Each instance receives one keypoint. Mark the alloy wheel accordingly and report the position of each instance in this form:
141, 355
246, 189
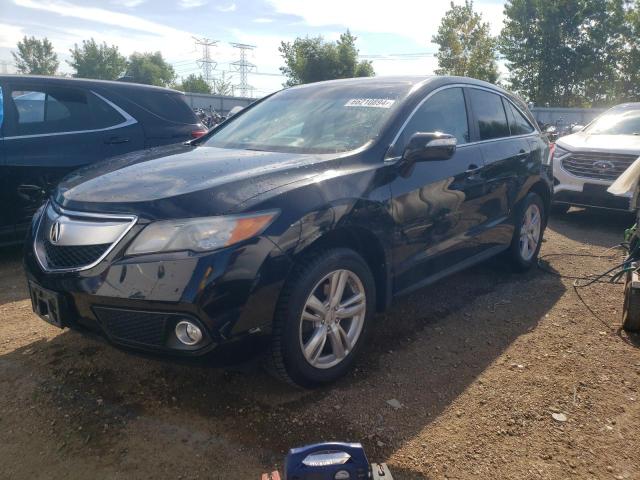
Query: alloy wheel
332, 319
530, 232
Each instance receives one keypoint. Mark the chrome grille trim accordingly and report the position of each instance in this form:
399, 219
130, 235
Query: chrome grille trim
581, 164
84, 219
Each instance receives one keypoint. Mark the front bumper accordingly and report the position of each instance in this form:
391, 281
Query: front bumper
136, 301
586, 192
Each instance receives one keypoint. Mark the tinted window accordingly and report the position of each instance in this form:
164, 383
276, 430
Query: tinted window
489, 113
517, 123
444, 112
168, 106
54, 110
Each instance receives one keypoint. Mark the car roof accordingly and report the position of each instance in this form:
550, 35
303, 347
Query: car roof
87, 82
414, 80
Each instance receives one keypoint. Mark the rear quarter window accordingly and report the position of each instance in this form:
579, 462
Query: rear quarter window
171, 107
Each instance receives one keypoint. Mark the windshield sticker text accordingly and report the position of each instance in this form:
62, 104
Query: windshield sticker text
370, 102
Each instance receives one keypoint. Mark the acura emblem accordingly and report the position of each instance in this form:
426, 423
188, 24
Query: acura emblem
54, 233
603, 166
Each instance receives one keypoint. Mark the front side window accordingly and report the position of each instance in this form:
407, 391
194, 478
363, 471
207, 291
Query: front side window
489, 113
314, 119
445, 112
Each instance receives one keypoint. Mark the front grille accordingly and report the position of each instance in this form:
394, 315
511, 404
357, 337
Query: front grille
73, 256
598, 165
131, 326
75, 240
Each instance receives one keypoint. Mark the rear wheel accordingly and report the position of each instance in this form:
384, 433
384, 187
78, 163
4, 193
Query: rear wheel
531, 221
322, 318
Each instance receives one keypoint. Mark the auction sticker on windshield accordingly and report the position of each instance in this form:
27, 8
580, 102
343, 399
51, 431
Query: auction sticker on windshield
370, 102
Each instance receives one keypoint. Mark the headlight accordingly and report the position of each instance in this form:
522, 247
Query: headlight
199, 234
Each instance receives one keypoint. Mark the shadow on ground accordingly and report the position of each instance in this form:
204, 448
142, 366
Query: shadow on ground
592, 225
426, 350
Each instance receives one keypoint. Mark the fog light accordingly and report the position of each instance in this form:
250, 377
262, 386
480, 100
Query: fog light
188, 333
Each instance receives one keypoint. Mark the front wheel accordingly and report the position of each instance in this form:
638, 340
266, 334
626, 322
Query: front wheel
322, 319
530, 222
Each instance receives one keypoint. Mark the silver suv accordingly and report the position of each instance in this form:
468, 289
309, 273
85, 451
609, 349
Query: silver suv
586, 163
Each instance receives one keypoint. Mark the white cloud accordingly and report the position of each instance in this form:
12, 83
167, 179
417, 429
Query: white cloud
263, 20
416, 20
227, 8
129, 3
10, 35
101, 15
192, 3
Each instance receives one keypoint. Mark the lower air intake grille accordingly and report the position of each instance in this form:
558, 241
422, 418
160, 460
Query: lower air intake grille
73, 256
146, 328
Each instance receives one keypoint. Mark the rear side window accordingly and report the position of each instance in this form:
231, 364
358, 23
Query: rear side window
517, 122
170, 107
445, 112
57, 110
489, 113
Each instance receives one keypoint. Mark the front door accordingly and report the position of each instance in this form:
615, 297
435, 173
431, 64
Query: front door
438, 207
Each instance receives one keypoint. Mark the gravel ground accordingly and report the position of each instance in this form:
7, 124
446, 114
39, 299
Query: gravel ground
493, 375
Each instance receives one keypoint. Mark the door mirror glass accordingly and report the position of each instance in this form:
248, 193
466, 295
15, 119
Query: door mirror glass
424, 147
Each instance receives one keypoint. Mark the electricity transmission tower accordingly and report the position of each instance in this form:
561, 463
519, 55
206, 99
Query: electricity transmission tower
243, 66
206, 63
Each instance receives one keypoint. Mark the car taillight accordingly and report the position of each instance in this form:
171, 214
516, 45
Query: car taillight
198, 133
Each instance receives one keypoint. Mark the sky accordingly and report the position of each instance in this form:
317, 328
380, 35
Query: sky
395, 35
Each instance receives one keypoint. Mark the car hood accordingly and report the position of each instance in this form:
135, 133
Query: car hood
584, 141
183, 180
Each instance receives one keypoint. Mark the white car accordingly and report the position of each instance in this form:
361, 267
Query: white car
586, 163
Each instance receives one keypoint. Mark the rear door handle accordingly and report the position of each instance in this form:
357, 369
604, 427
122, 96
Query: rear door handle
116, 140
472, 168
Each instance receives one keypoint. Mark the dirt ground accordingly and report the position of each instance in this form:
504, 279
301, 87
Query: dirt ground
480, 363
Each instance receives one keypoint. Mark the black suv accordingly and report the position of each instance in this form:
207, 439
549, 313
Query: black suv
50, 126
295, 221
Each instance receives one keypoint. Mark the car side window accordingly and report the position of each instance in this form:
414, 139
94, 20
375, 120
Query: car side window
518, 124
445, 111
489, 114
104, 115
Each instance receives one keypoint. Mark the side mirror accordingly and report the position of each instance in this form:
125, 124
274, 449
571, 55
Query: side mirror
577, 128
425, 147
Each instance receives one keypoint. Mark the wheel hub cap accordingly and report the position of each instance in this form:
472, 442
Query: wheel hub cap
530, 232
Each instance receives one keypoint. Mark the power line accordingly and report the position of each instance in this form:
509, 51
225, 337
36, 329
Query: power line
206, 63
243, 66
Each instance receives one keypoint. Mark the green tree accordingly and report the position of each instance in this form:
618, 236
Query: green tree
466, 46
222, 85
150, 69
194, 84
564, 52
313, 59
97, 61
36, 57
628, 85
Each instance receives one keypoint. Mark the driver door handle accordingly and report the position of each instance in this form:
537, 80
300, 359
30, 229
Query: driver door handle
472, 168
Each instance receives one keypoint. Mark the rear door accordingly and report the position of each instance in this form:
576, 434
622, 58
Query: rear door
505, 156
6, 222
51, 131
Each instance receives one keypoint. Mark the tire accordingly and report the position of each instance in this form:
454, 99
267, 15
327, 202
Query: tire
559, 208
324, 361
631, 306
520, 261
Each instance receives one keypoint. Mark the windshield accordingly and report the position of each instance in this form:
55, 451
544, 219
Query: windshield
328, 118
617, 121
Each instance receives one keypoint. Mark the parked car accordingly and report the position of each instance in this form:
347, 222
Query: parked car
54, 125
294, 221
586, 163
